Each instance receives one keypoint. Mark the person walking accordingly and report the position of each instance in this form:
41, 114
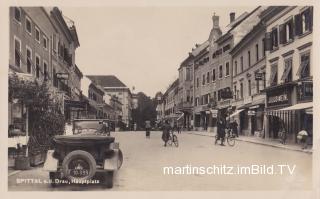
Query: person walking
235, 128
166, 132
221, 131
148, 127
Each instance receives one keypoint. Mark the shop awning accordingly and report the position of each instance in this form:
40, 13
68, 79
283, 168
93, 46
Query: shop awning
236, 112
180, 116
299, 106
309, 111
302, 67
288, 68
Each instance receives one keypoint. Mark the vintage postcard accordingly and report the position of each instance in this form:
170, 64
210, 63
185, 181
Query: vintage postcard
162, 97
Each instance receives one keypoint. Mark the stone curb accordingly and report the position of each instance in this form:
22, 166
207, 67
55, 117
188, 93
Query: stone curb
261, 143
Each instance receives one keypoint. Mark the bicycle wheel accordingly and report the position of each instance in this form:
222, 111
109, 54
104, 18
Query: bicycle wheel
175, 140
170, 141
215, 139
231, 141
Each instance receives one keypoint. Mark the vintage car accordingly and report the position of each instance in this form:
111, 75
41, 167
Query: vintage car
89, 155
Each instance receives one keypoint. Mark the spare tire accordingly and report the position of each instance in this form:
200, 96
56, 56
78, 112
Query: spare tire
78, 166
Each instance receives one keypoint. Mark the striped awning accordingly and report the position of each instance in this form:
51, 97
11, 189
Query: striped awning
299, 106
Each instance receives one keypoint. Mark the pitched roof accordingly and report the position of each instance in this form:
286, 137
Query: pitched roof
106, 80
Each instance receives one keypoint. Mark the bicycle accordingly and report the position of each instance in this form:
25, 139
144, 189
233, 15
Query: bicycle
173, 139
230, 136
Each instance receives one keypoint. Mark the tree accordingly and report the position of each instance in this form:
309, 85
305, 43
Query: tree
45, 116
146, 110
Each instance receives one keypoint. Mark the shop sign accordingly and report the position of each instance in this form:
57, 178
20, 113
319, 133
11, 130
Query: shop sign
62, 76
278, 99
259, 76
251, 112
214, 113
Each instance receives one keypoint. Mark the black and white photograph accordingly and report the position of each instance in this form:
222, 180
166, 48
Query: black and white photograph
161, 98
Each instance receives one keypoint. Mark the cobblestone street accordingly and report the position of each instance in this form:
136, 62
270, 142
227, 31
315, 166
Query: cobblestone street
144, 160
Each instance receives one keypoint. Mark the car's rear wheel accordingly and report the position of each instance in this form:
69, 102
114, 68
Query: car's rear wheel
108, 179
78, 166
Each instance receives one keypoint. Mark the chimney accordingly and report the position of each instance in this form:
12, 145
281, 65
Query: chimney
215, 20
232, 16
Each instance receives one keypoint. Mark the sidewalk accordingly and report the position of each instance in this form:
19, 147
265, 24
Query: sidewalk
257, 140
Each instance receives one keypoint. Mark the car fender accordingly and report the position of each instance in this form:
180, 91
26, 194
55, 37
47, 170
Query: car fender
115, 162
51, 163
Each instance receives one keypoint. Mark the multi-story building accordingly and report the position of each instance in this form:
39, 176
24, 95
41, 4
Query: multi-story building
43, 46
114, 87
185, 91
170, 98
289, 70
204, 80
248, 81
159, 97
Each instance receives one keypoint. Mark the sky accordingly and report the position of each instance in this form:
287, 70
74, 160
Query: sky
142, 46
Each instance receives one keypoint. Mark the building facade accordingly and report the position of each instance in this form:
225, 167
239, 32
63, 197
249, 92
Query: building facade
42, 45
248, 81
185, 91
114, 87
171, 100
289, 70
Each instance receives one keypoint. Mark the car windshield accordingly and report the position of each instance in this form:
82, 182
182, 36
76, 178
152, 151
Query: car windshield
87, 127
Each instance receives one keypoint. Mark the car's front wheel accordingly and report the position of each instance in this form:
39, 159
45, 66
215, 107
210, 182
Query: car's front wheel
108, 179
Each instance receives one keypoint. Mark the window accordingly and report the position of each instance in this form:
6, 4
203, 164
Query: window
241, 63
286, 32
208, 77
235, 68
274, 75
28, 25
304, 69
214, 75
54, 43
263, 47
203, 79
188, 75
45, 70
274, 38
257, 52
37, 31
220, 71
45, 42
17, 51
197, 82
55, 80
37, 66
249, 59
215, 95
227, 69
241, 90
17, 14
257, 86
304, 21
225, 48
287, 73
249, 87
235, 91
29, 58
